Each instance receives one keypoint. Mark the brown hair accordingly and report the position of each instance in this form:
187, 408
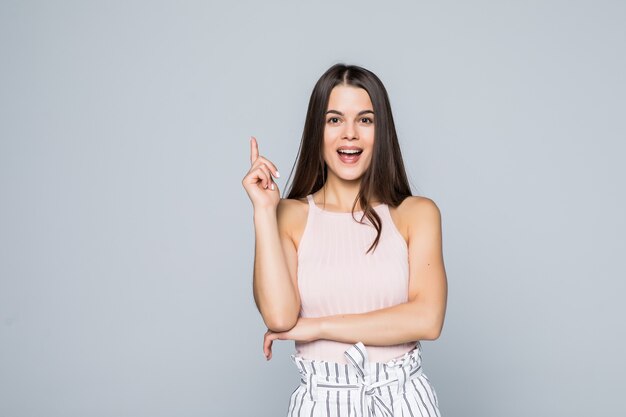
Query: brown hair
385, 178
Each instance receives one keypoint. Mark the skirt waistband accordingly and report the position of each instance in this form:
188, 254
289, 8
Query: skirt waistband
359, 372
364, 377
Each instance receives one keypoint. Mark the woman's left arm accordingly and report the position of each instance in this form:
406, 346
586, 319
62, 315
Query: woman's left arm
420, 318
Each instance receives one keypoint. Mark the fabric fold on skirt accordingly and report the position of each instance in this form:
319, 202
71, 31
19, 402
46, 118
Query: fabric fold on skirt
362, 388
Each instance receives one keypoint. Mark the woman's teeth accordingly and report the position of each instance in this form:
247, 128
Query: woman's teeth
349, 156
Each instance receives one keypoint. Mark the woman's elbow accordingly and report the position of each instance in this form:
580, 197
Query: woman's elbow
280, 322
434, 333
432, 330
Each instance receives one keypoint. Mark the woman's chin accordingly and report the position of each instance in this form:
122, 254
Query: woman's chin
348, 176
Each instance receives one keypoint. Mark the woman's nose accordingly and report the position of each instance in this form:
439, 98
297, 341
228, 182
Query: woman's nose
349, 131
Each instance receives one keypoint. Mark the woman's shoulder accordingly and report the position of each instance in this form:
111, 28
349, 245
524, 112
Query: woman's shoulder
292, 206
417, 202
291, 215
415, 210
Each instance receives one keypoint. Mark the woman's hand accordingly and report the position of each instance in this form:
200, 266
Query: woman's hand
305, 330
258, 182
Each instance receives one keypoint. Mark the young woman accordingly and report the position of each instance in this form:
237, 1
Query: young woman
350, 264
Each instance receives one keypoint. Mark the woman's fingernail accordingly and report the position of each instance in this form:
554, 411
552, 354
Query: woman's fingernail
277, 174
272, 186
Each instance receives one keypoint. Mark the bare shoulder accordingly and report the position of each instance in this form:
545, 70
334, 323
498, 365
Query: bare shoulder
291, 215
418, 203
417, 212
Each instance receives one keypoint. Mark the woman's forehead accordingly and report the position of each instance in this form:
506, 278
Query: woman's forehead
346, 98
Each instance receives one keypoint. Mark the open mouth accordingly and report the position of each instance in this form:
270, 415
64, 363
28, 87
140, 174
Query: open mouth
349, 156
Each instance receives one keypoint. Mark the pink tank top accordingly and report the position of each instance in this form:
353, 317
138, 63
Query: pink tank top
335, 276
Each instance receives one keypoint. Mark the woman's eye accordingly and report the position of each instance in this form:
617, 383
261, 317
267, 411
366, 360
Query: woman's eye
333, 120
366, 120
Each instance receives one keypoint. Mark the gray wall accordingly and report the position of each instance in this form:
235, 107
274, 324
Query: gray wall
126, 238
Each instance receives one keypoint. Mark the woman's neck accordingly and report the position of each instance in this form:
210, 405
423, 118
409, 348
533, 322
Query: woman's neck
339, 196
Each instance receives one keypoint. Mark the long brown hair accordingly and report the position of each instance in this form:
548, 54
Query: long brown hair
385, 178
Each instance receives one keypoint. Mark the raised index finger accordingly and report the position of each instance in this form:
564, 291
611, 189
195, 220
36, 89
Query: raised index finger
254, 149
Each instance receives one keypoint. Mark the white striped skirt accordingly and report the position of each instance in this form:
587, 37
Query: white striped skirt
363, 389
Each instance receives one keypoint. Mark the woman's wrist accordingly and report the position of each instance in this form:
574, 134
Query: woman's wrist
321, 328
264, 212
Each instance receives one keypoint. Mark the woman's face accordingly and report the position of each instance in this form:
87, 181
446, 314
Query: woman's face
349, 124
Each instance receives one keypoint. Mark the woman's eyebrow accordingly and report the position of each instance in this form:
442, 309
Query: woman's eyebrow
362, 112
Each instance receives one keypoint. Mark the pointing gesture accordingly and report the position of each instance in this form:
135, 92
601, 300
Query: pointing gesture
258, 182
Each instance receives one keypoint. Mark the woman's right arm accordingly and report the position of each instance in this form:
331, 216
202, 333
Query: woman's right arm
275, 261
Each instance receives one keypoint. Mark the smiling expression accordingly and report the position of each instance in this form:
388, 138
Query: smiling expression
348, 126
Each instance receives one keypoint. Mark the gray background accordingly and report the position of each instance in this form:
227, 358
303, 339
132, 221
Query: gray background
126, 238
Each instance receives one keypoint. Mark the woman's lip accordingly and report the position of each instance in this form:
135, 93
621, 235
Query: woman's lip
349, 159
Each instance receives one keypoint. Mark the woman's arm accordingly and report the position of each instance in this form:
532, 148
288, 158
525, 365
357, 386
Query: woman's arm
275, 261
420, 318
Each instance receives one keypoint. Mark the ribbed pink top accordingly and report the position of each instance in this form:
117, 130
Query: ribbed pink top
335, 276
